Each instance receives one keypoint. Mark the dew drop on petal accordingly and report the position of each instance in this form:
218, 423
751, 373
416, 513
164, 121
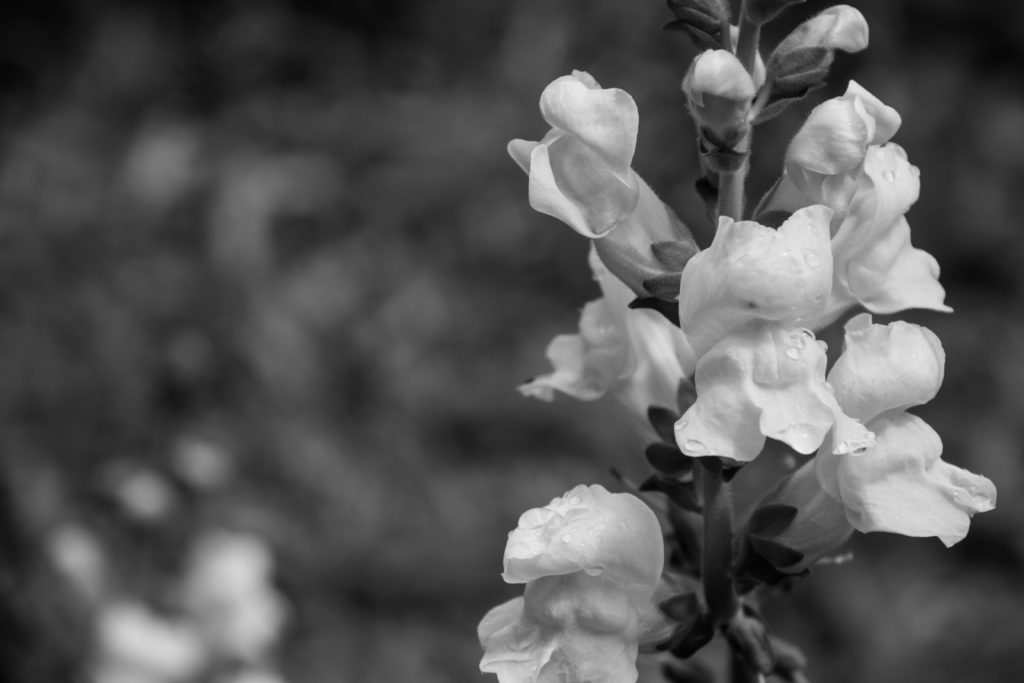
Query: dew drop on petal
793, 353
829, 388
694, 446
889, 176
811, 258
575, 500
566, 538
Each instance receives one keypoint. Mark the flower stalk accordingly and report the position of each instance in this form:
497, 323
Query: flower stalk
719, 591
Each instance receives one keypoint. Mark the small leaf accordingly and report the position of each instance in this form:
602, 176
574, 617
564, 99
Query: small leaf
682, 494
664, 422
773, 219
798, 61
690, 640
684, 608
763, 11
669, 309
668, 459
771, 520
703, 40
686, 395
714, 10
664, 287
779, 555
674, 254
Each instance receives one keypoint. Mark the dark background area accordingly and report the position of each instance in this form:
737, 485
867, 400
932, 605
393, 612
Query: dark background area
290, 233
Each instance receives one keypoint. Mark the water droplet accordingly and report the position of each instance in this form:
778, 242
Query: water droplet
842, 448
682, 424
829, 388
575, 500
889, 176
566, 538
798, 340
694, 446
793, 353
811, 258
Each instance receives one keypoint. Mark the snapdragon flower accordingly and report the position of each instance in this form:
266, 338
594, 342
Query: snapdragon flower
842, 158
591, 561
901, 484
636, 355
580, 173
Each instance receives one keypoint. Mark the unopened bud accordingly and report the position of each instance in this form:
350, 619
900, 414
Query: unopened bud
719, 91
838, 28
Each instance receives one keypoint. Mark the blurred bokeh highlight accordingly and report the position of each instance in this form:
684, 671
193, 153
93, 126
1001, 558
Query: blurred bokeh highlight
268, 281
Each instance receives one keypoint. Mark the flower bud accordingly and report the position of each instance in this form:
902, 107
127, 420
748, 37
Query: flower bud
719, 91
838, 28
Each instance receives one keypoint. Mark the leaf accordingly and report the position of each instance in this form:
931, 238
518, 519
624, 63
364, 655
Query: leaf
771, 520
690, 640
799, 61
674, 254
664, 287
763, 11
714, 9
702, 39
686, 395
682, 494
777, 554
669, 309
664, 422
684, 608
668, 459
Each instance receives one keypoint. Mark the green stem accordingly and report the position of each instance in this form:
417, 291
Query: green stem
747, 42
719, 592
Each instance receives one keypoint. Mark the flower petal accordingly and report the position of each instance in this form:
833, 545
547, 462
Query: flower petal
902, 485
612, 535
751, 272
604, 119
764, 380
886, 367
890, 275
840, 27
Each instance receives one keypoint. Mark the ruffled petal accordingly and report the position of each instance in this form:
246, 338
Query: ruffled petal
589, 364
751, 272
612, 535
604, 119
566, 629
764, 380
886, 367
902, 485
890, 275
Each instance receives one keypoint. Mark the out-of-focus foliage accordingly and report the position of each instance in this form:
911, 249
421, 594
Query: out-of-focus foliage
265, 269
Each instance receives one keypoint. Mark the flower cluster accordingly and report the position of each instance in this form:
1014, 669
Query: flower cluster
736, 323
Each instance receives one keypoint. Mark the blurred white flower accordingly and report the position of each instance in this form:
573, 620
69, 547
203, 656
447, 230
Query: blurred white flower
228, 594
591, 561
135, 645
77, 554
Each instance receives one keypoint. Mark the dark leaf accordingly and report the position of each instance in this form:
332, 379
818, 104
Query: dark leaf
664, 287
692, 639
799, 61
686, 395
668, 459
777, 554
702, 39
669, 309
763, 11
771, 520
680, 493
674, 254
664, 422
717, 10
684, 608
773, 219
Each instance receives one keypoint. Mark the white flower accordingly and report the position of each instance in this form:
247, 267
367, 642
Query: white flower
842, 158
901, 484
719, 91
580, 174
763, 380
591, 561
636, 355
840, 27
751, 272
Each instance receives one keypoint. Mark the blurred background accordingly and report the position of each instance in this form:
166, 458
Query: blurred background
268, 281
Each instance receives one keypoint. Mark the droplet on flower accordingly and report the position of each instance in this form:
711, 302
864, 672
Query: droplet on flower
793, 353
694, 446
889, 176
797, 340
811, 258
575, 500
842, 448
829, 388
566, 538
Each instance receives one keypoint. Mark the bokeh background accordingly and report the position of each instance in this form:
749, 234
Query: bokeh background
268, 281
